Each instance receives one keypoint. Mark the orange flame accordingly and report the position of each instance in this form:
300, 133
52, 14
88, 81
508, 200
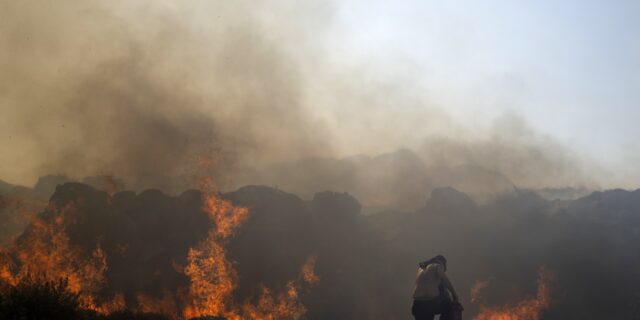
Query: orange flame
213, 277
47, 253
45, 250
308, 274
528, 309
286, 306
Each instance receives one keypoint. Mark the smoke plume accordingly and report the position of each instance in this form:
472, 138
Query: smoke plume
139, 91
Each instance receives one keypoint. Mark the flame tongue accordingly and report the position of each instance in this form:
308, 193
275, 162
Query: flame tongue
213, 277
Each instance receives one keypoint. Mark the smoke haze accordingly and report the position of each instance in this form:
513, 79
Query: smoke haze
140, 90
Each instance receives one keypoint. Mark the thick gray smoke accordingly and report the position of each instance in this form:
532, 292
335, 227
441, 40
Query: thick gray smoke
139, 91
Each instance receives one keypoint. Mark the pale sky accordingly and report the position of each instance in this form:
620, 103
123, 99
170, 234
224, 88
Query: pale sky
570, 68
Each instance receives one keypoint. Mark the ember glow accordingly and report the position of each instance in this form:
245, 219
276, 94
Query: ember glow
527, 309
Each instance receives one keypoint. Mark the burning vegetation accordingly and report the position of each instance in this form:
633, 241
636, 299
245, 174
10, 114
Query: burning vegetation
261, 253
213, 277
44, 251
204, 286
262, 86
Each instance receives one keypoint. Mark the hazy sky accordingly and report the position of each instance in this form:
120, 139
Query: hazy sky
570, 68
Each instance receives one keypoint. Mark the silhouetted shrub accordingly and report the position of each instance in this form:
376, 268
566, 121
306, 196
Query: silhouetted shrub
34, 299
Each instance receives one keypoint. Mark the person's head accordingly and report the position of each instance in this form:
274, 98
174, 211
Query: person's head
439, 259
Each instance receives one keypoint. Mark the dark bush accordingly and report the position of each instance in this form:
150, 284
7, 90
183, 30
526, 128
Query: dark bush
34, 299
37, 299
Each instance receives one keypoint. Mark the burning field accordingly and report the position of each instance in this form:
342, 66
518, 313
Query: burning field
260, 253
338, 163
87, 239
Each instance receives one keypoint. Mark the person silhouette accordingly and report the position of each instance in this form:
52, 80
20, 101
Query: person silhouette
433, 293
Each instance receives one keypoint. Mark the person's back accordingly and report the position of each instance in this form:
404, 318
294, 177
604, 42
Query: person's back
427, 282
430, 295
